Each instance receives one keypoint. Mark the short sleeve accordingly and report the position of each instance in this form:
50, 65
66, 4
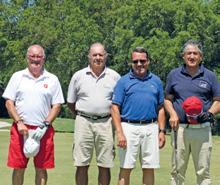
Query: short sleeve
58, 94
168, 88
118, 93
11, 89
71, 94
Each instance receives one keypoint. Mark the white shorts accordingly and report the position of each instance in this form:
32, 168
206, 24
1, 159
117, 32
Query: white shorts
142, 139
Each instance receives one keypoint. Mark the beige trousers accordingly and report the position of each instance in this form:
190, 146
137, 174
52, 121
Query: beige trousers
195, 141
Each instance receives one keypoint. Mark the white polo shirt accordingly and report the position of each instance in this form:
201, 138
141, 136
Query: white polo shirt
91, 94
33, 97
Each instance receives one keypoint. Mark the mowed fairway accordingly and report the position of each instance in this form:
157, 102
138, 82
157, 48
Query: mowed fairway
63, 174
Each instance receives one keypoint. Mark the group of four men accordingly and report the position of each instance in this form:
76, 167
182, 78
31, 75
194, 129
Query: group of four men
134, 103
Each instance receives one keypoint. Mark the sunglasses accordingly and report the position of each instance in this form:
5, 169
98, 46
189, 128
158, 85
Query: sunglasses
141, 61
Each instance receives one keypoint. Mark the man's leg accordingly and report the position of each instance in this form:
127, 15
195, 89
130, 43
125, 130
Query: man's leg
81, 176
16, 158
201, 154
104, 176
40, 176
83, 148
148, 176
18, 176
104, 149
124, 176
180, 157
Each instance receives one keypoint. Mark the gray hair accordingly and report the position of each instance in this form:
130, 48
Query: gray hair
193, 43
37, 46
98, 44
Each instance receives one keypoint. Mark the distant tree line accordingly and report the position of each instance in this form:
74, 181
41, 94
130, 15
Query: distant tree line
66, 28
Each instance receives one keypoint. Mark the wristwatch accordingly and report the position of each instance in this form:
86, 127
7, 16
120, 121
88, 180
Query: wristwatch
46, 123
162, 130
19, 121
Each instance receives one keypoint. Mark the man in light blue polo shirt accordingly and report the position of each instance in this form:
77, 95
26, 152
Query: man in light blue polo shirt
89, 97
192, 80
139, 118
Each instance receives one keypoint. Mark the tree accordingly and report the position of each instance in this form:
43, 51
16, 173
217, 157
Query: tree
66, 29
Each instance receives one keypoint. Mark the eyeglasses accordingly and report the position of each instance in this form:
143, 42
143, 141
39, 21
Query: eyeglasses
141, 61
35, 56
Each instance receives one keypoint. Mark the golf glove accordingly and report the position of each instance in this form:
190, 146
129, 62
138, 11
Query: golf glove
39, 132
206, 117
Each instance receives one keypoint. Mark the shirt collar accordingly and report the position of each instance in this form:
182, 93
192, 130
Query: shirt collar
43, 75
89, 70
146, 77
200, 71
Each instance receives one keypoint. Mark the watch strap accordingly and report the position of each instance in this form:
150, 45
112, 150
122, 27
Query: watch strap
46, 123
162, 130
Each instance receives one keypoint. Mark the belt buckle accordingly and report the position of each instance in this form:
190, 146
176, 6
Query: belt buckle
94, 117
142, 121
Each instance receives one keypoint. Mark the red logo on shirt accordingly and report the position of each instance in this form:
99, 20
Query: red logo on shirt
45, 85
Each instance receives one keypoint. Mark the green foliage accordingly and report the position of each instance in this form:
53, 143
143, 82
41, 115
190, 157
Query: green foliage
65, 112
66, 28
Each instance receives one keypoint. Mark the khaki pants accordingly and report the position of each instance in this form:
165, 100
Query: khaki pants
195, 141
93, 134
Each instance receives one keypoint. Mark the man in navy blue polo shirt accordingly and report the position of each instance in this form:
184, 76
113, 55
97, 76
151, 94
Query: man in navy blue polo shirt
192, 80
139, 118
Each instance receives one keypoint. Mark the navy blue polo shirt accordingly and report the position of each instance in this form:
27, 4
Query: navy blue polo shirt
182, 85
138, 98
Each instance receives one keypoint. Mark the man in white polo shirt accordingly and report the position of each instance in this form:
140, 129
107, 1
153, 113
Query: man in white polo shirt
33, 100
89, 98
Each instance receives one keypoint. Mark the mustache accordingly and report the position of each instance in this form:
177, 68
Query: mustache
98, 60
34, 62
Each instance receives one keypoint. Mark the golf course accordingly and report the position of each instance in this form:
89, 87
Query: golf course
63, 174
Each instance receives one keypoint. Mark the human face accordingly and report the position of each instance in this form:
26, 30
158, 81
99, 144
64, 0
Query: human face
97, 57
192, 56
35, 59
139, 63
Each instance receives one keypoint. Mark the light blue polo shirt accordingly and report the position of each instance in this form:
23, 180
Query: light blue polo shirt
138, 98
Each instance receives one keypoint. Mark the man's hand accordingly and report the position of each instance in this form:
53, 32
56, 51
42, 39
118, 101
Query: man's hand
206, 117
174, 120
22, 129
39, 132
122, 142
162, 139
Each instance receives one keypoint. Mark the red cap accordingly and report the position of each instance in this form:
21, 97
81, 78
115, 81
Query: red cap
192, 107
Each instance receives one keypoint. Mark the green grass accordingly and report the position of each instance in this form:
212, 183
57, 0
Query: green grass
63, 174
60, 124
